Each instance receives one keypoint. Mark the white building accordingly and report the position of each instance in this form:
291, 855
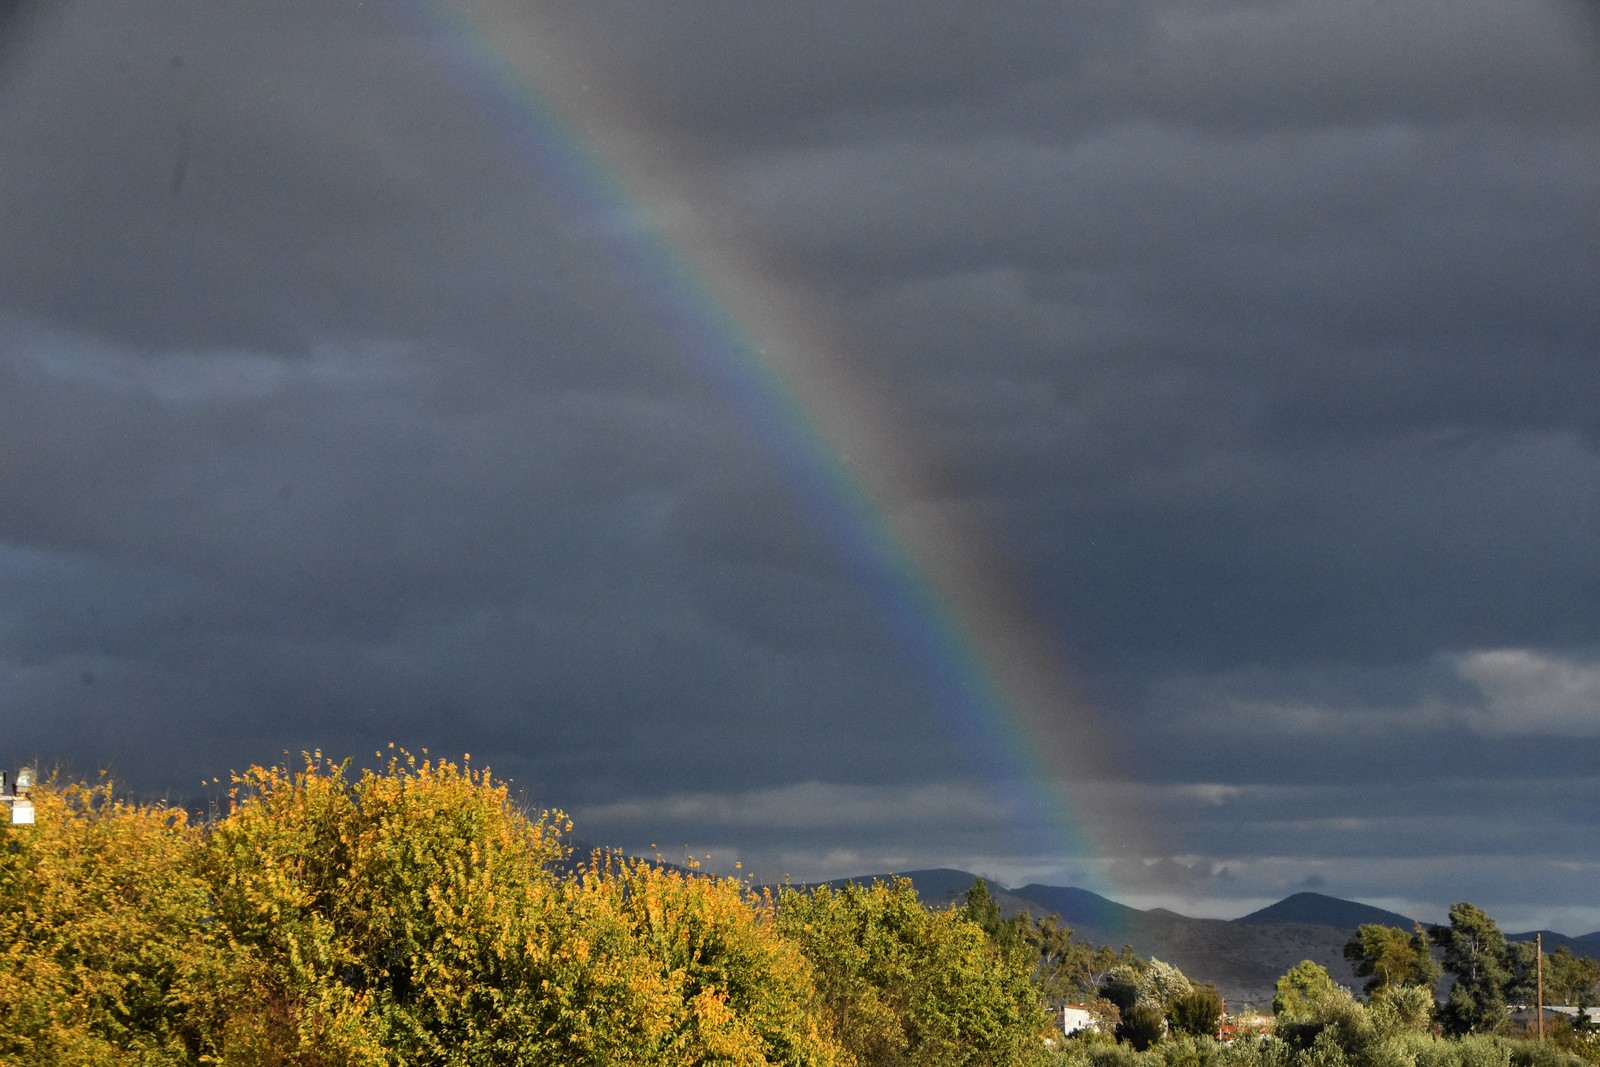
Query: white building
1076, 1017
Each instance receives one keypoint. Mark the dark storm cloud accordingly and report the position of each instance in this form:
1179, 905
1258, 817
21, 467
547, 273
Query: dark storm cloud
745, 76
318, 540
218, 180
1297, 335
1262, 333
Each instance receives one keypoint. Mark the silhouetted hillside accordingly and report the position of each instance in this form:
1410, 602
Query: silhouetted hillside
1318, 908
1082, 910
1587, 945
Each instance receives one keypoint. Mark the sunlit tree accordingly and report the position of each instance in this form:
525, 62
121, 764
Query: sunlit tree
902, 984
1389, 957
101, 921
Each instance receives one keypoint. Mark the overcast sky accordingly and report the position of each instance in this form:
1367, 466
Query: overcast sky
683, 407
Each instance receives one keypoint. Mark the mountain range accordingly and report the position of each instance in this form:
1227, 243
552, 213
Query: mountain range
1242, 957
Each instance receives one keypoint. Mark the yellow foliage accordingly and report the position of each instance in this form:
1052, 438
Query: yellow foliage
413, 915
99, 907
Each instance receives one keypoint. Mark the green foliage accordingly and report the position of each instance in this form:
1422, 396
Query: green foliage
1303, 993
981, 908
1316, 1015
1522, 961
1388, 957
1188, 1050
1065, 970
1475, 952
1121, 989
1163, 985
1401, 1009
1147, 994
1197, 1013
1096, 1052
1142, 1025
1569, 979
901, 984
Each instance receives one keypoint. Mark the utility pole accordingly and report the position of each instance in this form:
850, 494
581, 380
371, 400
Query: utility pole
1538, 969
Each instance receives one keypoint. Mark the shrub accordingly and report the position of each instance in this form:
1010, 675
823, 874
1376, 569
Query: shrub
101, 919
1197, 1012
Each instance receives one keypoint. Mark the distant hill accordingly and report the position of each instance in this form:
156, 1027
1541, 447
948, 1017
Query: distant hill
1243, 957
1317, 908
1244, 960
1081, 910
1587, 945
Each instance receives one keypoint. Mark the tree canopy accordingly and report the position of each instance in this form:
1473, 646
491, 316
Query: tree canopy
1389, 957
1475, 952
902, 984
410, 913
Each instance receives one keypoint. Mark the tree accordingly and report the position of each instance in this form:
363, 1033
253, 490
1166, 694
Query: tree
1388, 958
395, 914
1145, 994
1569, 978
1522, 960
1197, 1012
414, 916
1121, 988
1316, 1014
1142, 1026
1055, 955
902, 984
1475, 952
103, 942
1064, 969
1302, 991
1403, 1009
981, 907
668, 967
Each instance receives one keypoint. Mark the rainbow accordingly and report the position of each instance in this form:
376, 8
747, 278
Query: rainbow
782, 358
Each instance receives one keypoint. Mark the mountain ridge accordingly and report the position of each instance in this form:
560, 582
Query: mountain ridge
1242, 957
1329, 911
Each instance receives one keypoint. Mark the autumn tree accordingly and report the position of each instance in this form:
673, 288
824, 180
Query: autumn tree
413, 916
682, 969
395, 914
102, 923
